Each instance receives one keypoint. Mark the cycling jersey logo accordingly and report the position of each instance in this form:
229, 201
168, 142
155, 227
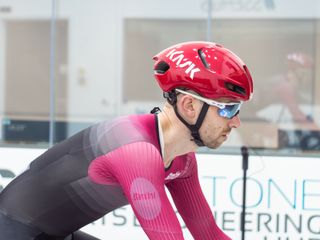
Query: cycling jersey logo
182, 62
144, 195
172, 176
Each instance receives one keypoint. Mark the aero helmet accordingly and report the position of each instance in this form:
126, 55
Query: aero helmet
208, 69
204, 67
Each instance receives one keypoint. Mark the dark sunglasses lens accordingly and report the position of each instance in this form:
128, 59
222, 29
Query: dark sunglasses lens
229, 111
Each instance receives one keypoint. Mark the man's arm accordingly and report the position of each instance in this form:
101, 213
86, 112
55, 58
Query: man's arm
139, 169
193, 207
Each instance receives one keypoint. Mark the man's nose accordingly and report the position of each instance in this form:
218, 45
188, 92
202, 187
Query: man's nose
235, 122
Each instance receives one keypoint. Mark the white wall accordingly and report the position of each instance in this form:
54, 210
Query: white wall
2, 72
221, 8
94, 49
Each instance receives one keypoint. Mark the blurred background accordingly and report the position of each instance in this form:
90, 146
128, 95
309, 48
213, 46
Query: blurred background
66, 64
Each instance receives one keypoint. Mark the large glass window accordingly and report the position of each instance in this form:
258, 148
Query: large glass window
281, 114
99, 55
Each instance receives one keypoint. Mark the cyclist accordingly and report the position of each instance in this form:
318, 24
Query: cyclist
131, 159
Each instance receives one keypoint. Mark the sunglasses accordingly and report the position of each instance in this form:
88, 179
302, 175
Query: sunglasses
226, 110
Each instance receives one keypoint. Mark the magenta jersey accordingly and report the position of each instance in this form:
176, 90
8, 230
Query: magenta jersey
100, 169
137, 168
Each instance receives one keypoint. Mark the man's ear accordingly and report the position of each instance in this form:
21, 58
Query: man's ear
188, 106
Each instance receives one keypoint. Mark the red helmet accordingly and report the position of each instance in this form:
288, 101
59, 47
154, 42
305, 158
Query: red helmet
204, 67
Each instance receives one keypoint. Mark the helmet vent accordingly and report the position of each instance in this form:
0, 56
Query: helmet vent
161, 67
203, 58
235, 88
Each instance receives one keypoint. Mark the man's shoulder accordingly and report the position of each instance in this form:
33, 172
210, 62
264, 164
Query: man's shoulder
121, 131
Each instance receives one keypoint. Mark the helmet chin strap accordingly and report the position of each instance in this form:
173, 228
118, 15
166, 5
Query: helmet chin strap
194, 128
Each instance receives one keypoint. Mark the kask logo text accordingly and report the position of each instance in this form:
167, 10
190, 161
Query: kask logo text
182, 62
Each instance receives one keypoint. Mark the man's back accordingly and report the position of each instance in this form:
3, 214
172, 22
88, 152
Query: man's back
55, 194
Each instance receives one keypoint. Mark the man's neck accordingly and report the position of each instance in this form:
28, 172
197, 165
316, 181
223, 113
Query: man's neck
176, 137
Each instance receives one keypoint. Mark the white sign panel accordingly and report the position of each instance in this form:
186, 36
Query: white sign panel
283, 196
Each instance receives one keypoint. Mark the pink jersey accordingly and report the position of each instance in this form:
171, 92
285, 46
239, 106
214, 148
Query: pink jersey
132, 160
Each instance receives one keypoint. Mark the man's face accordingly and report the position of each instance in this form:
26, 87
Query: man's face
216, 129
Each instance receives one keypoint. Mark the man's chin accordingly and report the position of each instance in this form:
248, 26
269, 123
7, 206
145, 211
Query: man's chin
214, 146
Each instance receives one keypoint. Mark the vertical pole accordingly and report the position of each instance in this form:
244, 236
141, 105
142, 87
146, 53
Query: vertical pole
245, 158
52, 74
